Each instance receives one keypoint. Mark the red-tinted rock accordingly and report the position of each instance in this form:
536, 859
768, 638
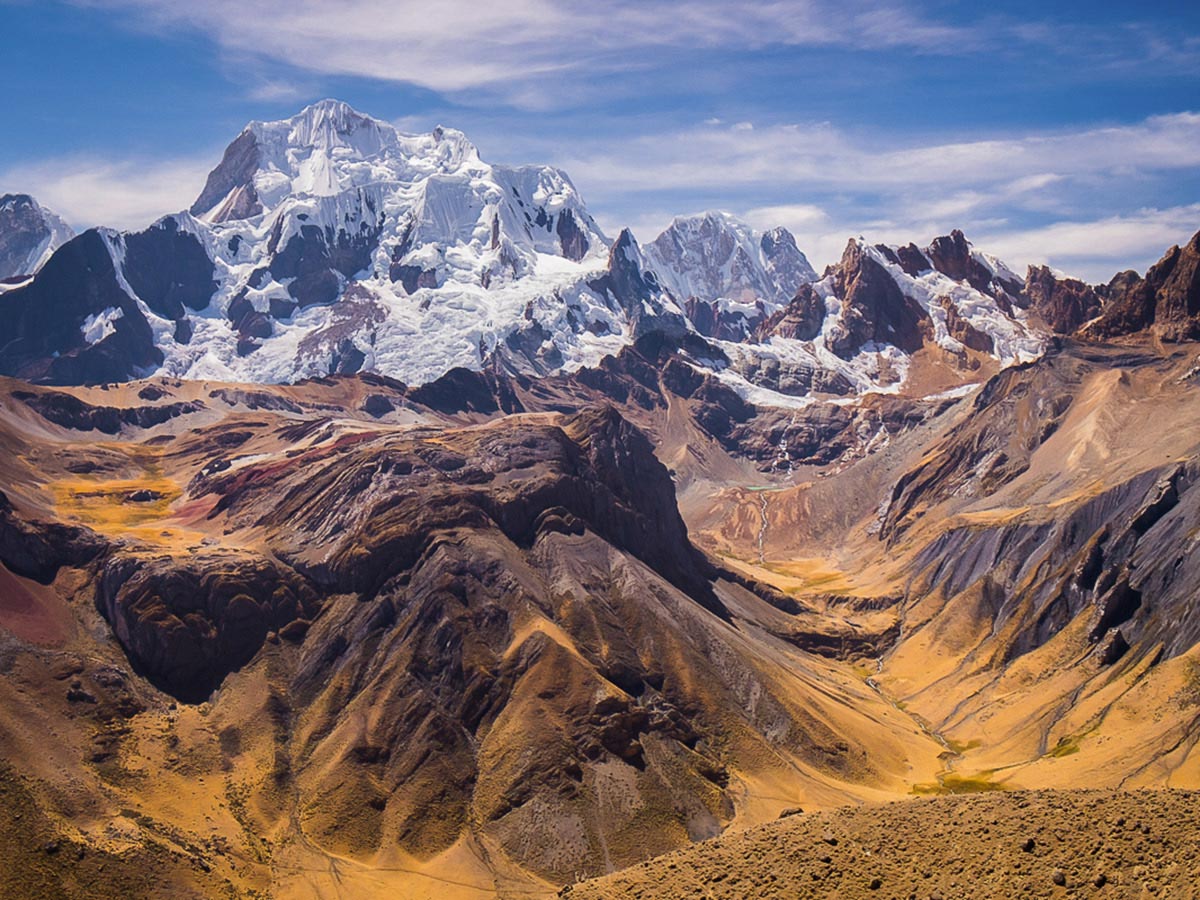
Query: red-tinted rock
1064, 304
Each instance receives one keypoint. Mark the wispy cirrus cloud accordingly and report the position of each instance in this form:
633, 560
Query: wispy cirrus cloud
120, 193
526, 49
1095, 248
546, 53
821, 154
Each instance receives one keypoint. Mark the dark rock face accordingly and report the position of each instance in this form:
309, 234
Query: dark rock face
631, 287
571, 238
464, 391
166, 267
723, 325
347, 358
21, 232
232, 181
964, 332
71, 412
187, 624
412, 277
1064, 304
819, 435
626, 282
531, 346
912, 260
45, 321
23, 229
793, 379
800, 320
169, 269
377, 406
37, 550
315, 256
1167, 300
952, 257
875, 309
1129, 305
1176, 278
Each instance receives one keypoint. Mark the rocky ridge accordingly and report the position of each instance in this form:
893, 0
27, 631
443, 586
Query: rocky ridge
29, 235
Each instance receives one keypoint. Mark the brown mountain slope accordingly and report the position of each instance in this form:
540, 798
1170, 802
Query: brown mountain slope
280, 646
1034, 558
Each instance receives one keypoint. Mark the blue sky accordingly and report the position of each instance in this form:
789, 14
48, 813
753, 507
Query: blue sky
1069, 135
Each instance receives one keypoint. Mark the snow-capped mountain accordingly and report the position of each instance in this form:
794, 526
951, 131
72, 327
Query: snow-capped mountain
729, 276
433, 256
861, 326
332, 243
29, 234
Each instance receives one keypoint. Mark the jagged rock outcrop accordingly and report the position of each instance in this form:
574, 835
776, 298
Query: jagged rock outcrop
1167, 300
187, 623
875, 309
69, 411
633, 287
800, 320
38, 549
29, 234
1065, 304
895, 301
229, 192
952, 256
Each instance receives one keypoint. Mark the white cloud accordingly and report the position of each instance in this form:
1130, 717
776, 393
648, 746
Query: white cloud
125, 194
1096, 250
993, 188
275, 91
790, 155
459, 45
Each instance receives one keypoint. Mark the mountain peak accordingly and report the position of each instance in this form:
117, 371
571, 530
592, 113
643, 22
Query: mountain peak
335, 123
29, 234
331, 106
322, 151
715, 255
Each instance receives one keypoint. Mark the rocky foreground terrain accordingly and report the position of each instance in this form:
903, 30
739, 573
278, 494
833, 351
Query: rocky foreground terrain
995, 845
